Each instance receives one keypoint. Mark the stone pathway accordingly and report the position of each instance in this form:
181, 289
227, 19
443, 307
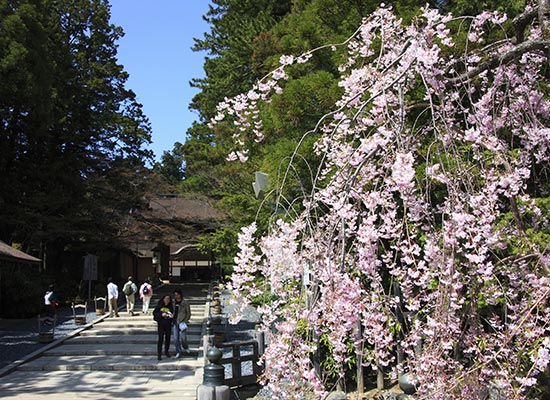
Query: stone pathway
114, 358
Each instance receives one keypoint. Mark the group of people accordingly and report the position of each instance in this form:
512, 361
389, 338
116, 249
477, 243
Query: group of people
172, 317
129, 289
171, 314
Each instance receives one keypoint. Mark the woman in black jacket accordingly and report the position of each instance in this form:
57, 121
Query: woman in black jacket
164, 314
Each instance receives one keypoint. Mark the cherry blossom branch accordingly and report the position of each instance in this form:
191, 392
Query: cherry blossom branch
414, 199
544, 296
501, 59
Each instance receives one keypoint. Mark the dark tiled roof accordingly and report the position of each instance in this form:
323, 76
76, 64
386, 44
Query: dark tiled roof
13, 255
180, 208
177, 248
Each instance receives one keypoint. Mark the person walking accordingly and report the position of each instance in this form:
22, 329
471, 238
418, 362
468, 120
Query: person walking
129, 291
182, 315
112, 297
145, 293
163, 314
50, 305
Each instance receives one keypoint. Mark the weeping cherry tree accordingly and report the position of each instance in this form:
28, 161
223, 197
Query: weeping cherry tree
425, 237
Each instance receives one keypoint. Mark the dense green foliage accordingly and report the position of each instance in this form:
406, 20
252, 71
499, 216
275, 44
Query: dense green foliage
244, 44
72, 136
171, 166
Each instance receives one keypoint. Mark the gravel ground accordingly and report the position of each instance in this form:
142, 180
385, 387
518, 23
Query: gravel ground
19, 337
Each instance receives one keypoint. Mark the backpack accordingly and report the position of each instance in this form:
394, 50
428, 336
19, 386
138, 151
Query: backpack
128, 290
145, 289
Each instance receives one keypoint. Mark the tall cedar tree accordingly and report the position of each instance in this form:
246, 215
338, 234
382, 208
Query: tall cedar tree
68, 125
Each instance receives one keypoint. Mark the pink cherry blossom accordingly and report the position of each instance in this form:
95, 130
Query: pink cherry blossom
413, 237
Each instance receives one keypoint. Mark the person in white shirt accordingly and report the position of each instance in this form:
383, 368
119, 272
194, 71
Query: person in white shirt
112, 295
50, 305
145, 293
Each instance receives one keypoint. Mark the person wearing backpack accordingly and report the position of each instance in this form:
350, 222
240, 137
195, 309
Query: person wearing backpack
129, 291
145, 293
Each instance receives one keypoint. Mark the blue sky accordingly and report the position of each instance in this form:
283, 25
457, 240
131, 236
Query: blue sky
156, 52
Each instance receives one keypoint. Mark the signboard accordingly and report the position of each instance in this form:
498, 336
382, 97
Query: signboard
90, 268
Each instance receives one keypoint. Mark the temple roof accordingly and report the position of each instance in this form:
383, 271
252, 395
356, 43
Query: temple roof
184, 208
8, 253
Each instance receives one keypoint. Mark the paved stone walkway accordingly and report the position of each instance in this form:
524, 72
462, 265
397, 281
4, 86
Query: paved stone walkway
113, 358
19, 337
98, 385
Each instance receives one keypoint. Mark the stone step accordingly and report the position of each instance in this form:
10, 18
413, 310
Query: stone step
115, 322
138, 324
131, 331
116, 357
92, 349
195, 309
157, 296
138, 316
150, 338
111, 363
124, 316
198, 306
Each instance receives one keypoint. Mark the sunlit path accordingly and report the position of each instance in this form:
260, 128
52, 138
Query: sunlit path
115, 358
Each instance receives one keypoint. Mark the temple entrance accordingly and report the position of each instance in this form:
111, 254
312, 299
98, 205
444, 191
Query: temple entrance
187, 264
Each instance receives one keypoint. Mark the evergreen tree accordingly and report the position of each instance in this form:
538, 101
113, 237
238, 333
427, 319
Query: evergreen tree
171, 166
68, 122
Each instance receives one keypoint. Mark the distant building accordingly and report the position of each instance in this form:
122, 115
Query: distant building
188, 264
165, 242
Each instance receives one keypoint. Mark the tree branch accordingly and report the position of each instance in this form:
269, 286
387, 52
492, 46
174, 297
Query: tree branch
503, 59
521, 21
544, 18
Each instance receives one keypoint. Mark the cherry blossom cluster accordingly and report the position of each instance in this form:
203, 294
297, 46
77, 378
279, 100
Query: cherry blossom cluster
412, 246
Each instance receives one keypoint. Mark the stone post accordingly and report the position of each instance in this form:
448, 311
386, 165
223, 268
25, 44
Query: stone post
260, 337
207, 340
407, 384
213, 387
